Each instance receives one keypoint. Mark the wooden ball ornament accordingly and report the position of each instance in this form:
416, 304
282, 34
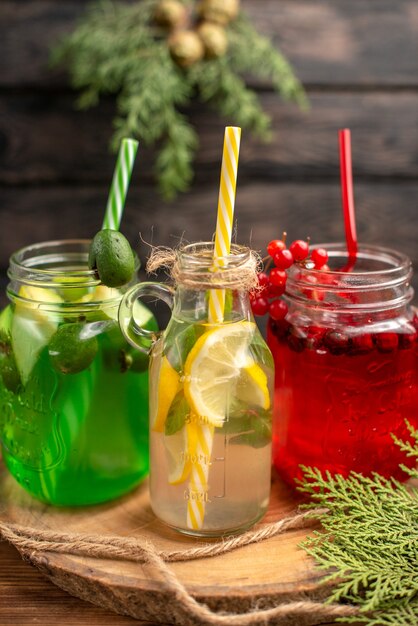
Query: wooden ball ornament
219, 11
214, 39
186, 48
170, 13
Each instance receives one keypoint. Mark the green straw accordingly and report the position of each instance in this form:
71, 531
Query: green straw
120, 184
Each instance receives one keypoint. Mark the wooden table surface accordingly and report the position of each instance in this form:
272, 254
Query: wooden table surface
27, 597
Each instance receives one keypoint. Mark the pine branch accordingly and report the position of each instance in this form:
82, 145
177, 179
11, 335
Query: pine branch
401, 615
220, 87
151, 94
118, 49
251, 52
410, 448
368, 547
147, 109
173, 168
104, 47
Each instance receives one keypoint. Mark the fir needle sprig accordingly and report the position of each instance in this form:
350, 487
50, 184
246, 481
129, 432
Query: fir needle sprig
368, 545
122, 49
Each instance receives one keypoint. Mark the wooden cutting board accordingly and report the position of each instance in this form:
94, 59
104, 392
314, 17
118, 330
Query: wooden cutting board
269, 572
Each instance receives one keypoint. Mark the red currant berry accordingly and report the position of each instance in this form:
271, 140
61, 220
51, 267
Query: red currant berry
316, 331
386, 342
283, 259
278, 310
336, 342
275, 291
407, 340
296, 339
275, 245
263, 279
299, 249
260, 306
319, 257
279, 329
325, 268
361, 344
263, 282
315, 335
278, 277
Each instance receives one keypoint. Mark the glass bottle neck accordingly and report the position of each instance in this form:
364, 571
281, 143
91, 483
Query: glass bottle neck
211, 289
193, 305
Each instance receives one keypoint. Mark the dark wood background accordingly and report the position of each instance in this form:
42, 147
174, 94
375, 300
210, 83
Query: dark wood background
359, 62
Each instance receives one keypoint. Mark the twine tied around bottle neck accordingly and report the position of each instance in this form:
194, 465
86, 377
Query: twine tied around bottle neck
193, 267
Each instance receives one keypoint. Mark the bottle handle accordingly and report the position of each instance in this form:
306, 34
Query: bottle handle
139, 337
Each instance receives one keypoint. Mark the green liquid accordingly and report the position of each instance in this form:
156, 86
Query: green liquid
77, 439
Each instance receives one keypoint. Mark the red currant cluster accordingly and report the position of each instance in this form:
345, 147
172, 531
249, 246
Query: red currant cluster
266, 299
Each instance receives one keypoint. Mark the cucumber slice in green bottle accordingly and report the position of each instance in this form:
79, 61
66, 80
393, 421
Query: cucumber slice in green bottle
6, 317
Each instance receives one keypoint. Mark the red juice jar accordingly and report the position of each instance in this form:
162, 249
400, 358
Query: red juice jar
346, 359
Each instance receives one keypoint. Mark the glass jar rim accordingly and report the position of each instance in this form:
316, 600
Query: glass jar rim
29, 266
202, 254
399, 267
23, 263
384, 287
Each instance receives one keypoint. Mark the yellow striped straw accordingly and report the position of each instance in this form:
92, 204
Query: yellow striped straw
225, 219
198, 486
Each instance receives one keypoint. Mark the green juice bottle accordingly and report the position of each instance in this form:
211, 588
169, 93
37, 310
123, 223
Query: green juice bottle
73, 393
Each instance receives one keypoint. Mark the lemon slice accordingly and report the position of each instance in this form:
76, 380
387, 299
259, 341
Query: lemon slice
32, 326
68, 291
214, 367
165, 391
142, 315
252, 387
180, 449
99, 293
35, 297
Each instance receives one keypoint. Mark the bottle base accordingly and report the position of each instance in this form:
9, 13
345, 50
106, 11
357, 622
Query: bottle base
216, 532
64, 489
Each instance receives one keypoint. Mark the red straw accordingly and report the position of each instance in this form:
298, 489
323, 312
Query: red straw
346, 170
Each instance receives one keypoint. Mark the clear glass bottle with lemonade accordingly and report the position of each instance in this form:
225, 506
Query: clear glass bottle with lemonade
210, 400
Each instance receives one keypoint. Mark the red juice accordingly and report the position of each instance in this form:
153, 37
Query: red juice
346, 380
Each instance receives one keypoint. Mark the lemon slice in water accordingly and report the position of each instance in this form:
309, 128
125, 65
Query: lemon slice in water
164, 392
218, 367
252, 387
